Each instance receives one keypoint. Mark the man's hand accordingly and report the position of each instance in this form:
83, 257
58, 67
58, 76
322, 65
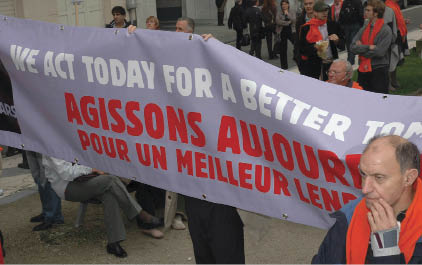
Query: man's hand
333, 37
131, 29
381, 216
358, 42
407, 21
372, 47
207, 36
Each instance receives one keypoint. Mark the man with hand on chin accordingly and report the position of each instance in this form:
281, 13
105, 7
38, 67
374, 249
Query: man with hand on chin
384, 226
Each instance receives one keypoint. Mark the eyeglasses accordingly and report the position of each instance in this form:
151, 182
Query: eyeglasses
333, 72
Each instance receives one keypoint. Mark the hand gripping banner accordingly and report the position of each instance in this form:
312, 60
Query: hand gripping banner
195, 117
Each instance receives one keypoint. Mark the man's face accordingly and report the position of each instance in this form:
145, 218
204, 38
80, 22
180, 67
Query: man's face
321, 15
337, 2
369, 12
118, 18
381, 176
337, 74
309, 5
182, 26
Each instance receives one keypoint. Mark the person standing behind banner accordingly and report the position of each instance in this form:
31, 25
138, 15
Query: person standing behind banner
236, 22
351, 20
152, 23
401, 40
216, 230
253, 18
221, 5
285, 21
318, 42
119, 18
383, 226
307, 14
372, 44
340, 73
269, 13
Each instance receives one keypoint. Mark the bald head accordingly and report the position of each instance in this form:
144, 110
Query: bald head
406, 152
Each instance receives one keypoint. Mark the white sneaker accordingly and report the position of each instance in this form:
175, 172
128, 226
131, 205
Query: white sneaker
1, 192
177, 223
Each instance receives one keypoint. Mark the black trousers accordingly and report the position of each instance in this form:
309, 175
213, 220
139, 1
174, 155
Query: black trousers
269, 38
314, 69
376, 81
216, 231
239, 37
256, 43
286, 34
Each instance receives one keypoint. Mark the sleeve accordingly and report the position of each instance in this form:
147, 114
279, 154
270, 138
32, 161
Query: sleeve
358, 49
333, 247
230, 21
305, 48
64, 169
382, 43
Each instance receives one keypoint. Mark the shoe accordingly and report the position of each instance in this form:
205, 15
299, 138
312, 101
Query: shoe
43, 226
155, 233
154, 223
37, 219
177, 223
23, 165
116, 250
12, 151
58, 222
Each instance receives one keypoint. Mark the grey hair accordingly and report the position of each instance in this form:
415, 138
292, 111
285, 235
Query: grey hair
349, 67
407, 153
191, 22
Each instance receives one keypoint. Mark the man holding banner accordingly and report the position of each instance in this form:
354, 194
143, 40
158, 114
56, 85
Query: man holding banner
384, 226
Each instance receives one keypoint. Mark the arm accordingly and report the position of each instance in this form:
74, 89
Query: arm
230, 21
333, 247
382, 43
305, 48
358, 48
65, 169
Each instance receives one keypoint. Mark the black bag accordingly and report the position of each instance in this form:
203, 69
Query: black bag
246, 39
277, 44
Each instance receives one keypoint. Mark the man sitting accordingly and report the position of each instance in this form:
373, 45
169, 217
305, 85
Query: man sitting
79, 183
340, 73
385, 225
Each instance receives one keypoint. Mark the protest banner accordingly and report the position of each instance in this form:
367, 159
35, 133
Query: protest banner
195, 117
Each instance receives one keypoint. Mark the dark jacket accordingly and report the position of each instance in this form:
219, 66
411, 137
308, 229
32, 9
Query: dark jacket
218, 3
351, 13
236, 18
333, 248
299, 22
253, 17
111, 24
308, 51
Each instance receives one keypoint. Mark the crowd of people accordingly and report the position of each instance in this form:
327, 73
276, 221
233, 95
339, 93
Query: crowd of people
382, 226
376, 33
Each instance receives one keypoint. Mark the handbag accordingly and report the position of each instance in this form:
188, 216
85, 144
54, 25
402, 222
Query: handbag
277, 44
246, 39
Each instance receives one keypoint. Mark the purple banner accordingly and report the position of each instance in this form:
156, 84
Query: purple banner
195, 117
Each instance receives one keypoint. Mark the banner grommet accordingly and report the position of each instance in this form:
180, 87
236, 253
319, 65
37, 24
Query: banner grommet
61, 27
22, 146
4, 18
190, 37
285, 216
204, 196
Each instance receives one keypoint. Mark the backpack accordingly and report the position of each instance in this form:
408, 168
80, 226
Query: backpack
349, 13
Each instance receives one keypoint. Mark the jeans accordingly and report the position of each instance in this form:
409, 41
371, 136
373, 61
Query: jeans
51, 203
